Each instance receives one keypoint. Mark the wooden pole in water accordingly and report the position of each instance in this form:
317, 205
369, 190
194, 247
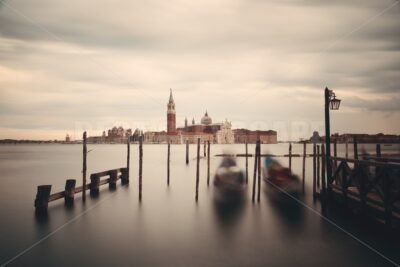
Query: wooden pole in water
259, 171
355, 147
318, 167
94, 184
204, 149
253, 195
187, 152
247, 164
290, 156
323, 166
335, 155
208, 162
42, 198
69, 191
128, 160
168, 159
378, 150
304, 165
113, 179
84, 167
140, 167
314, 170
198, 169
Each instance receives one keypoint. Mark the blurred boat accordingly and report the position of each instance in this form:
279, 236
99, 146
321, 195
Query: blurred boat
229, 182
280, 180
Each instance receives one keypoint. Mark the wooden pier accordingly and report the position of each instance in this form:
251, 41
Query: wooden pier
43, 196
369, 187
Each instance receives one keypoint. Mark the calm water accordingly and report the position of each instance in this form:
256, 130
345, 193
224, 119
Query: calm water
168, 228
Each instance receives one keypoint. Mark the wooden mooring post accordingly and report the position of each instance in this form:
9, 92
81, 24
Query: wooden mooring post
290, 156
208, 162
197, 169
378, 150
42, 198
247, 164
204, 149
355, 147
140, 167
69, 191
304, 167
335, 155
94, 184
113, 179
168, 161
259, 171
318, 167
125, 172
84, 167
187, 152
323, 167
314, 170
253, 195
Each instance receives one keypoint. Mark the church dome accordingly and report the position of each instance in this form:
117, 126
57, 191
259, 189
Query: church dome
206, 119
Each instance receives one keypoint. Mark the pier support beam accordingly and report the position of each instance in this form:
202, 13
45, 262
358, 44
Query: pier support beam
187, 152
247, 164
113, 179
304, 166
94, 184
84, 167
168, 160
124, 176
69, 193
42, 198
198, 170
140, 167
208, 162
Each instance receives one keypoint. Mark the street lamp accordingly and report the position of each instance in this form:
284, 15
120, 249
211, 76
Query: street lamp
333, 103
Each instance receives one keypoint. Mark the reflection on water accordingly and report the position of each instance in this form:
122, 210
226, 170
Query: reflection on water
289, 211
228, 213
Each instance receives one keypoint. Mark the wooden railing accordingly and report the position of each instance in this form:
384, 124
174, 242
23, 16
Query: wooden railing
370, 183
43, 196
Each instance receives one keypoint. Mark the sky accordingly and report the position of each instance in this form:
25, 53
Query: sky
70, 66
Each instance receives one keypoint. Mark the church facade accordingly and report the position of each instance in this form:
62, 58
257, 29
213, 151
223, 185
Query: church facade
206, 130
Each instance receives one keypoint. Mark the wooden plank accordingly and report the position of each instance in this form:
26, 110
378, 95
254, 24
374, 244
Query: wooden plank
56, 196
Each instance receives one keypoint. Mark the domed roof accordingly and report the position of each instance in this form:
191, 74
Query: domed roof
206, 119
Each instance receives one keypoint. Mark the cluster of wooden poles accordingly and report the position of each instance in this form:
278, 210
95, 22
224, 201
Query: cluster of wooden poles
206, 154
43, 191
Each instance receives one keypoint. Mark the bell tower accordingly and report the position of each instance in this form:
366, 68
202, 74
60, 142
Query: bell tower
171, 116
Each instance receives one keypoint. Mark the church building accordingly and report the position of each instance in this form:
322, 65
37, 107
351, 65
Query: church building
206, 130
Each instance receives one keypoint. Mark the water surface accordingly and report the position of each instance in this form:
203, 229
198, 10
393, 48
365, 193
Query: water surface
168, 228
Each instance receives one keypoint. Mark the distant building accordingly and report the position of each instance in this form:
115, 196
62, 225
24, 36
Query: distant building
242, 136
206, 130
67, 139
114, 135
363, 138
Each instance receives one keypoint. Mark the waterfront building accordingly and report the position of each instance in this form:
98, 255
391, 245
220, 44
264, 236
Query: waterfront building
114, 135
242, 136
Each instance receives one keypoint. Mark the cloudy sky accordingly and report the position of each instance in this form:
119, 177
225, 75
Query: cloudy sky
66, 66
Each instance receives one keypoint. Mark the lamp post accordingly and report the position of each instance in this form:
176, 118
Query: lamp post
331, 102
